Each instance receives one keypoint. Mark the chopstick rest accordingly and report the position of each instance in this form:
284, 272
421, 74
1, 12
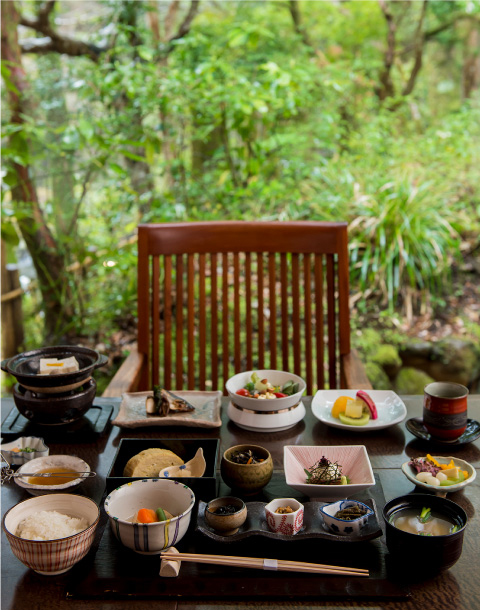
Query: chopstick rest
169, 568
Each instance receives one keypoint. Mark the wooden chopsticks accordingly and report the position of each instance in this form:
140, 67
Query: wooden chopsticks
265, 564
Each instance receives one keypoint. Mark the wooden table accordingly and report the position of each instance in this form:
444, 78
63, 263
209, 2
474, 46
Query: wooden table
457, 589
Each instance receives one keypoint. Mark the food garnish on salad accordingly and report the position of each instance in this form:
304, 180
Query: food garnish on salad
355, 411
325, 472
263, 389
429, 470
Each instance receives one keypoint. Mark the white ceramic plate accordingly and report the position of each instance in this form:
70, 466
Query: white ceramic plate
391, 409
132, 413
410, 473
266, 422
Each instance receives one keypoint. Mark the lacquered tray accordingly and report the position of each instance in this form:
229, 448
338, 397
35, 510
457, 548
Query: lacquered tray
313, 526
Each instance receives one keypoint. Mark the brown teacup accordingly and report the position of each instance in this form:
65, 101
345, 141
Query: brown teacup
445, 409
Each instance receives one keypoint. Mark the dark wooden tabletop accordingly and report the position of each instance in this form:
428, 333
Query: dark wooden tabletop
456, 589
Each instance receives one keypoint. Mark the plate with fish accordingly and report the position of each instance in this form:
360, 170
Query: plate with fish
170, 408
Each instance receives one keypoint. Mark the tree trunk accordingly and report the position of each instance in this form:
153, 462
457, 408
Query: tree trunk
471, 64
48, 261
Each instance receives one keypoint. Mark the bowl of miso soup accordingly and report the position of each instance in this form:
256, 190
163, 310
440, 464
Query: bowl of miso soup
424, 533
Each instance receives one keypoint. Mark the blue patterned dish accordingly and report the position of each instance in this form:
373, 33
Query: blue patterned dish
344, 527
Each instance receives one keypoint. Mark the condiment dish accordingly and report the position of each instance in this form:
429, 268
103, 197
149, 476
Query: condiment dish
343, 526
226, 523
289, 523
353, 462
52, 463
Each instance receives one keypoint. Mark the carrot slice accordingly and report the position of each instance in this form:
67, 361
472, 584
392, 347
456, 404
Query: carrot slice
146, 515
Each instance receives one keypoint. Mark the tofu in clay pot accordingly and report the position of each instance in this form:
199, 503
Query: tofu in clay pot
54, 366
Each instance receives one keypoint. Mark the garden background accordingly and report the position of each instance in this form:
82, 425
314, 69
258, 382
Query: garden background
121, 112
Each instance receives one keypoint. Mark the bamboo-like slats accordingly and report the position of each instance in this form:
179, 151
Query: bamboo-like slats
221, 310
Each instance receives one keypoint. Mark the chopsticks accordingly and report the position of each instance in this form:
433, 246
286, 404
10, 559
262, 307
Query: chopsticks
265, 564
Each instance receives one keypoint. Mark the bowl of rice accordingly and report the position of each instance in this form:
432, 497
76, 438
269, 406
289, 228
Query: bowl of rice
51, 533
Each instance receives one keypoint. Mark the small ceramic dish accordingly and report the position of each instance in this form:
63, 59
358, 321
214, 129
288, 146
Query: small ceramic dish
285, 523
24, 449
228, 523
344, 527
51, 462
193, 468
442, 490
248, 479
353, 460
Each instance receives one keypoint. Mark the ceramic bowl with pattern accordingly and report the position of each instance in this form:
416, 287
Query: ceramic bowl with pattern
341, 526
53, 485
247, 479
123, 503
51, 557
289, 523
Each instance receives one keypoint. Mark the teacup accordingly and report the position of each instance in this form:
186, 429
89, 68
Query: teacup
445, 409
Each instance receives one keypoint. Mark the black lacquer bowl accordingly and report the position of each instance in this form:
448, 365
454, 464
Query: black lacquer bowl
25, 368
418, 556
55, 409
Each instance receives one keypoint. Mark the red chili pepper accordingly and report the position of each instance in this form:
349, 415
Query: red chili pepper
243, 392
280, 394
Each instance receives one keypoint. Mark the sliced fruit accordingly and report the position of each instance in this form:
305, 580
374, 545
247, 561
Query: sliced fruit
452, 473
339, 405
369, 402
354, 421
355, 409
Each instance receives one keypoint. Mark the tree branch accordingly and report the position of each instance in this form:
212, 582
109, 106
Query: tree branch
296, 18
186, 23
387, 88
57, 42
419, 44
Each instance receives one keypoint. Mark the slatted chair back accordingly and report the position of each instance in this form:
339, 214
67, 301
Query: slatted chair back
218, 298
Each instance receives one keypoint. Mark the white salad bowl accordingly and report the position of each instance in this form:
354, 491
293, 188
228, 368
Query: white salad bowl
352, 458
411, 475
276, 378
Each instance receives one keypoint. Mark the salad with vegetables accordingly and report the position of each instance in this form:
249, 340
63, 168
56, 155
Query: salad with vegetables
263, 389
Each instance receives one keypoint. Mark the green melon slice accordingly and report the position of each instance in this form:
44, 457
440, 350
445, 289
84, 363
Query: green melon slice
354, 421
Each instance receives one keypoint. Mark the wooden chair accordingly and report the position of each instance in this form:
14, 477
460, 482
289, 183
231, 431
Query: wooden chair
217, 298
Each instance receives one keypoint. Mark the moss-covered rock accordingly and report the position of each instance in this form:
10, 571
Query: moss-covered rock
387, 357
377, 376
411, 381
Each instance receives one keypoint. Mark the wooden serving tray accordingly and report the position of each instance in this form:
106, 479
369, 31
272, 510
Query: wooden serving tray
114, 572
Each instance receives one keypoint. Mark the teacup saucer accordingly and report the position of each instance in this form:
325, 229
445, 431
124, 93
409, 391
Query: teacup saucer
416, 427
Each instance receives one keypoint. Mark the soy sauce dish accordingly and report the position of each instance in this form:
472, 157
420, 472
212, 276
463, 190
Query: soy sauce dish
424, 534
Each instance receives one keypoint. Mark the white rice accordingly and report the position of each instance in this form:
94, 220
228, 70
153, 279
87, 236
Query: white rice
49, 525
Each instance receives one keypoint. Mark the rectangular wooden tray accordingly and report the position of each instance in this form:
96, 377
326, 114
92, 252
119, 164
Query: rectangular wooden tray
115, 572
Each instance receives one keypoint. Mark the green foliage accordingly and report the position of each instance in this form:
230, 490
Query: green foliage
240, 119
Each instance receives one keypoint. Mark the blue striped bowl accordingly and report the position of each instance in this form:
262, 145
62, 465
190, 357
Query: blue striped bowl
122, 504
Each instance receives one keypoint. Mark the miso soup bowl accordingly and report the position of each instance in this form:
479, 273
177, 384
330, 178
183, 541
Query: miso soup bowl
416, 556
150, 538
